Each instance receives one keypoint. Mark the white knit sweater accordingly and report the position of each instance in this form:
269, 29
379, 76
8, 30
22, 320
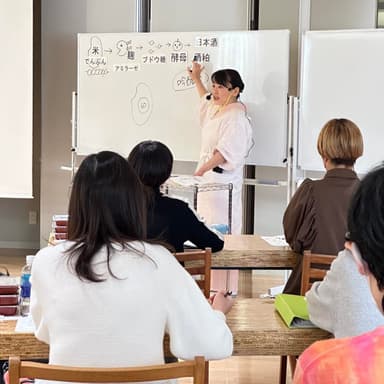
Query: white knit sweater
342, 303
121, 322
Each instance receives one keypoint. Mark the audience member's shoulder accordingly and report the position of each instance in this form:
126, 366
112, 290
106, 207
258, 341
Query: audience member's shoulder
306, 183
305, 187
52, 251
51, 255
334, 349
174, 202
323, 350
345, 270
158, 253
177, 207
345, 257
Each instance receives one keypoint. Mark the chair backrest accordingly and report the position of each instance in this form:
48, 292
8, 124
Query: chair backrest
19, 369
198, 264
315, 267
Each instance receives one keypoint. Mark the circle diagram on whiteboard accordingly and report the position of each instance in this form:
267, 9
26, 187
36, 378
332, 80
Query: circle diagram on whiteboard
141, 104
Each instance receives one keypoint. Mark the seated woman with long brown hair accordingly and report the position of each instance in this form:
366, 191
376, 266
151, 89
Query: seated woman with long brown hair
106, 296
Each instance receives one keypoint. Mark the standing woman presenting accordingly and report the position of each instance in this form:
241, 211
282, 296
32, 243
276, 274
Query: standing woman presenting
226, 137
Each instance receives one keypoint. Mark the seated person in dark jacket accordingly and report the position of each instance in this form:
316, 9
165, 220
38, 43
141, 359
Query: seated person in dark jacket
169, 219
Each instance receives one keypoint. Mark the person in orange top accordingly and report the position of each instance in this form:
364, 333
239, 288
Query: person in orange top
356, 359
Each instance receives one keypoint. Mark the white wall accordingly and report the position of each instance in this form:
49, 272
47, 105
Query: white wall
343, 14
199, 15
270, 201
61, 21
282, 14
15, 230
110, 15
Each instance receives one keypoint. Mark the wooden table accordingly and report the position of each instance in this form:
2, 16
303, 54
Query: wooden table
24, 345
248, 252
257, 330
240, 252
252, 252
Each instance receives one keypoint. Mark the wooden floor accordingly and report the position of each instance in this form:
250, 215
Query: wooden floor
234, 370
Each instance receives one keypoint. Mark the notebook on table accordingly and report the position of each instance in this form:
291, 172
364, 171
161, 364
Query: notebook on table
293, 310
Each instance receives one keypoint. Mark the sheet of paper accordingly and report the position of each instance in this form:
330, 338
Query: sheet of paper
186, 180
25, 324
6, 318
276, 241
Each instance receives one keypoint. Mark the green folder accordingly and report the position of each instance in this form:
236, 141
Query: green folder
293, 310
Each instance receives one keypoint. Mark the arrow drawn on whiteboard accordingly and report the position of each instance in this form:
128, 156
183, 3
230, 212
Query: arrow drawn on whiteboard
141, 104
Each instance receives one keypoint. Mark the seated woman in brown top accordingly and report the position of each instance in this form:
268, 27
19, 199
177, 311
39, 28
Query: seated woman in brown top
316, 217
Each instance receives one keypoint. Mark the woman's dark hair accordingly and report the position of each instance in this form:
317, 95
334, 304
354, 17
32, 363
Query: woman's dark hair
106, 206
152, 161
366, 222
229, 78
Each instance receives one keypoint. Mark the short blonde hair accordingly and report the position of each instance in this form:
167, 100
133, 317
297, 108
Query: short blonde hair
340, 141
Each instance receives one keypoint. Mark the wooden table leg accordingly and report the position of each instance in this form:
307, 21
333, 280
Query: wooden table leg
283, 370
245, 283
206, 372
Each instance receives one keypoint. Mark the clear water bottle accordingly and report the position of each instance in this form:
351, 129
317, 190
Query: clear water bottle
25, 286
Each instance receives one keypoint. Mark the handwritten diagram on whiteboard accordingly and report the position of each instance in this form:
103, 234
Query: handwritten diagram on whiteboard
134, 87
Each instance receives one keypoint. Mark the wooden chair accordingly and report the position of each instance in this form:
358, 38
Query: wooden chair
198, 264
19, 369
314, 268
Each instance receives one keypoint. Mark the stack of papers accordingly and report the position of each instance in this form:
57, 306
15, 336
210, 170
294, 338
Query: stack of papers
276, 241
186, 180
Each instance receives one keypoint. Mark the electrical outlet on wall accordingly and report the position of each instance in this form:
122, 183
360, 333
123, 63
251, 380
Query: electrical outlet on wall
32, 217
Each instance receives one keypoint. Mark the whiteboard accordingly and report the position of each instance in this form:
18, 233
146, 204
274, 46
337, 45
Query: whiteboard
342, 76
16, 106
134, 87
